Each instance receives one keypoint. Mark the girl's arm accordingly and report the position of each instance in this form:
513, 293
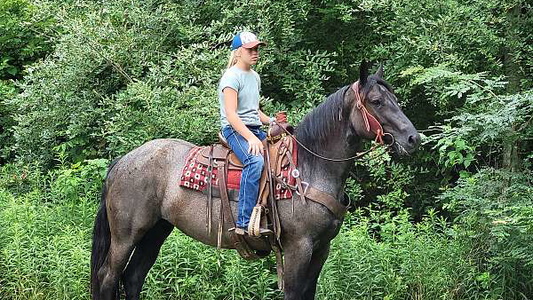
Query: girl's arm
264, 118
230, 106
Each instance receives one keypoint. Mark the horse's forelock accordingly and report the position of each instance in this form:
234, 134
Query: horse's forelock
373, 79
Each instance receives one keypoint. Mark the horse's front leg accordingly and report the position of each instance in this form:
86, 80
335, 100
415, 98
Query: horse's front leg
297, 256
315, 266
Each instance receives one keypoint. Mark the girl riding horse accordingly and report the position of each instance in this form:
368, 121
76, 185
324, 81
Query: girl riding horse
241, 121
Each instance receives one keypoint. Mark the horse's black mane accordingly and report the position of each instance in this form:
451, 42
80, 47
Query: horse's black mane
322, 121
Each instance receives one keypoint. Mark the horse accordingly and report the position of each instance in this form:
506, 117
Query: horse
142, 203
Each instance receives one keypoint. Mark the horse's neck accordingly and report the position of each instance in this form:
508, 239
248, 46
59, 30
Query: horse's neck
329, 176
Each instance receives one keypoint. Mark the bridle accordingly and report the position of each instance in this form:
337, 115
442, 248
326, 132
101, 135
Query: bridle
306, 191
371, 125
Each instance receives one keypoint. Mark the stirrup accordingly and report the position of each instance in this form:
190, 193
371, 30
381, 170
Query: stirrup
242, 231
265, 231
238, 230
262, 232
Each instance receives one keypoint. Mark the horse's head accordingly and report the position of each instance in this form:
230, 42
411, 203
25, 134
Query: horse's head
375, 113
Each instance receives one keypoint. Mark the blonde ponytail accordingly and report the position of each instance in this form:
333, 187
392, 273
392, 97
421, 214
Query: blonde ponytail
232, 59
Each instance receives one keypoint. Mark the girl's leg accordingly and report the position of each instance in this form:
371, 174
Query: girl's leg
251, 175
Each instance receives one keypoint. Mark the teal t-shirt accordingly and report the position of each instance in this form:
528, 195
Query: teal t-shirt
247, 84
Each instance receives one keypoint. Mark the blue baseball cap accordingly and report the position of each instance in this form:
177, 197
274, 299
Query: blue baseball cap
245, 39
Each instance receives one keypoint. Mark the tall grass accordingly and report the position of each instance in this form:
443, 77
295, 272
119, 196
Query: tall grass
414, 262
45, 249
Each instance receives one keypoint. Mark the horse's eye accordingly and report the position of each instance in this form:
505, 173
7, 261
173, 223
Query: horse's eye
376, 101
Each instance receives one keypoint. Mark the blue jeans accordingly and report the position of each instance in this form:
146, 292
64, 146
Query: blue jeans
251, 173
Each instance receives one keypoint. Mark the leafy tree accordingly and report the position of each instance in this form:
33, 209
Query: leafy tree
124, 73
494, 212
24, 38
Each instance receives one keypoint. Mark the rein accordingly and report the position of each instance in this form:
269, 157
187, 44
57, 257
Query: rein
306, 191
371, 125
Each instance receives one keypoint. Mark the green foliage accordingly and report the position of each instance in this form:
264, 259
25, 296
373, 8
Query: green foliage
494, 210
450, 90
403, 265
455, 153
131, 72
82, 81
432, 33
7, 91
384, 184
480, 121
45, 239
23, 36
143, 113
46, 248
77, 181
502, 119
472, 36
187, 269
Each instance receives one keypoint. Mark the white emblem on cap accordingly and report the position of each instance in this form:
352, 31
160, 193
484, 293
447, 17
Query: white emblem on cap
247, 37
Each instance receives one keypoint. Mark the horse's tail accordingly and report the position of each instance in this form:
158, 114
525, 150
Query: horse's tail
101, 238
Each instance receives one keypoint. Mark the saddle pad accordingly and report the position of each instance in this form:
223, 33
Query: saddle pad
195, 175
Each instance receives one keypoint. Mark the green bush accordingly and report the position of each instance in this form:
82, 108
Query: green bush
45, 229
495, 215
24, 36
45, 244
128, 72
7, 91
410, 262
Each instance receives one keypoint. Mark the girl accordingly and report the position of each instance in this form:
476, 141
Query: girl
241, 120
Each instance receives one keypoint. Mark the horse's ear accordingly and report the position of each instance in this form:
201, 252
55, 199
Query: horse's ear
363, 73
379, 72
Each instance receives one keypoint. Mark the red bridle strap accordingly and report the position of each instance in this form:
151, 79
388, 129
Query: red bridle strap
371, 123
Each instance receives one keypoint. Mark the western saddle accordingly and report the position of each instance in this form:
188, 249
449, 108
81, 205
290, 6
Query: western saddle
278, 154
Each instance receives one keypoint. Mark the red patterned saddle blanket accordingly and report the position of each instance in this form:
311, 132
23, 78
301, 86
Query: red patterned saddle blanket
195, 173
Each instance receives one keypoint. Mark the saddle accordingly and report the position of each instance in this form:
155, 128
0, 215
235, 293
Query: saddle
210, 167
216, 168
222, 163
215, 154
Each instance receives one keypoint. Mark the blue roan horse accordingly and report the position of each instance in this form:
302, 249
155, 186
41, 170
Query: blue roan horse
142, 203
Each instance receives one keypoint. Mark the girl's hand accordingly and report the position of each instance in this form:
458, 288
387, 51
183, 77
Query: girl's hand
255, 146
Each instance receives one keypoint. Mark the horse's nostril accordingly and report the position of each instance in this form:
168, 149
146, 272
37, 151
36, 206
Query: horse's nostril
388, 139
414, 139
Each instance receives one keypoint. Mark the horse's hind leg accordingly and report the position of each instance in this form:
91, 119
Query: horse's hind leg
143, 258
109, 274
